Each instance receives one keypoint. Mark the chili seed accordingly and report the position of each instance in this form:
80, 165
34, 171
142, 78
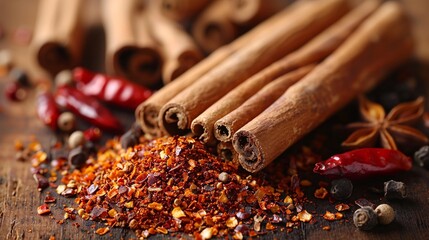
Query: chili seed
341, 188
421, 157
76, 139
365, 218
207, 233
77, 157
133, 224
66, 121
385, 214
64, 78
395, 190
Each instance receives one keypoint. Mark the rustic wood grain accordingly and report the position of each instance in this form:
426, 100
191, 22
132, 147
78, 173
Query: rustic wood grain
19, 197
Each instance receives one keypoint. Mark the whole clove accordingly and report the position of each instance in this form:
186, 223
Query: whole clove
395, 190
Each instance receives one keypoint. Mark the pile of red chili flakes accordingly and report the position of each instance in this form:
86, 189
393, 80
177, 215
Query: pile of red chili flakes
175, 185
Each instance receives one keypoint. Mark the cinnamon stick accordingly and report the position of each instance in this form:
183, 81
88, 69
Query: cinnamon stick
203, 125
213, 27
226, 152
130, 50
307, 20
181, 10
382, 42
148, 111
225, 127
58, 35
179, 54
249, 12
315, 50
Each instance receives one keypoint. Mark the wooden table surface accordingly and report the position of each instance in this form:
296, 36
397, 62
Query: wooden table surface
19, 197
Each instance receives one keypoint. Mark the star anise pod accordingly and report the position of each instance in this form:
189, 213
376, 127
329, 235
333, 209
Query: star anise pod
389, 131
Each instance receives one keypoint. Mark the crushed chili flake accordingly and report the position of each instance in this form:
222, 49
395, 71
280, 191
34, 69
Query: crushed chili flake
43, 209
321, 193
329, 216
304, 216
332, 216
326, 228
49, 199
342, 207
172, 184
102, 231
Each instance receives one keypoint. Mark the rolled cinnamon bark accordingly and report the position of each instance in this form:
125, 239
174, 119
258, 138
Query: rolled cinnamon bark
315, 50
307, 20
58, 35
148, 111
203, 125
225, 127
213, 27
179, 54
382, 42
226, 152
181, 10
249, 12
130, 49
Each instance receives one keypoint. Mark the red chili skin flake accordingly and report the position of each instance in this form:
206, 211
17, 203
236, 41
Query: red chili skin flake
43, 209
321, 193
49, 199
102, 231
342, 207
364, 162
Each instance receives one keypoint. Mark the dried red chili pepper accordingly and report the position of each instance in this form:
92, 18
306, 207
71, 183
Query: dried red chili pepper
15, 92
92, 134
88, 108
47, 109
364, 162
117, 91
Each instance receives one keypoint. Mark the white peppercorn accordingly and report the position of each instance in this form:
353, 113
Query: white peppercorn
66, 122
77, 138
223, 177
64, 78
385, 214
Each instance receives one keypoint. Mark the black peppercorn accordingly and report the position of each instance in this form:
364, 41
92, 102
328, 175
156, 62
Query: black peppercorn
19, 76
365, 218
421, 157
131, 137
77, 157
341, 188
395, 190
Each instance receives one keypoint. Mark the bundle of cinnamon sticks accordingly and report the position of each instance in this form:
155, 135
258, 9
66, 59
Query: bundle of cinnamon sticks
258, 95
146, 41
